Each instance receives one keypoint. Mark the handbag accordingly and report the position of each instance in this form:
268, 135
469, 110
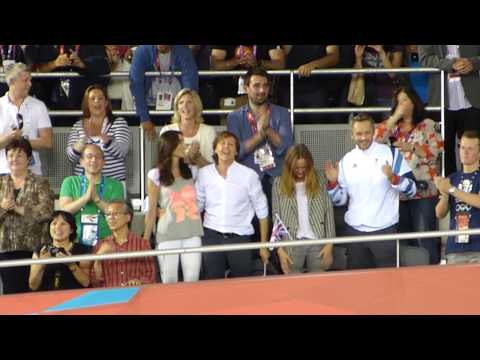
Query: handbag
356, 91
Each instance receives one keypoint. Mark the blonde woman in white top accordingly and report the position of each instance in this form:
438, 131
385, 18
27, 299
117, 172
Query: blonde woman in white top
187, 118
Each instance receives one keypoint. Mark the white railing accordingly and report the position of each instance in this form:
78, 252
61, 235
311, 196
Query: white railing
244, 246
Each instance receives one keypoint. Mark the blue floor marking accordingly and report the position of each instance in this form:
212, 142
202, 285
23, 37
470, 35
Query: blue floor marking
97, 298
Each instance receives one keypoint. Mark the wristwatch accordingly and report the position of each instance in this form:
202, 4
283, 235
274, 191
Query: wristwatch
452, 190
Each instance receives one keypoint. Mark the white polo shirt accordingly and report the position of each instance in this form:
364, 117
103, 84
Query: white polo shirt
35, 117
373, 201
230, 203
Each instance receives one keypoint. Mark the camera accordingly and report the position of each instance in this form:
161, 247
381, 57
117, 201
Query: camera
53, 250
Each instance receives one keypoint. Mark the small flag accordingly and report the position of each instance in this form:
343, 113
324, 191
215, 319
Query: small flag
279, 230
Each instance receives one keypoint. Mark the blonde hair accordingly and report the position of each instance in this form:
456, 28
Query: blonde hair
14, 72
287, 180
197, 103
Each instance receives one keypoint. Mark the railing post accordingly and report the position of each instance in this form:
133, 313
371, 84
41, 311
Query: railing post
142, 167
442, 114
398, 253
291, 98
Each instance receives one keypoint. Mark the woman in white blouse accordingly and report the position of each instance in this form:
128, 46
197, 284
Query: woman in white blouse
187, 118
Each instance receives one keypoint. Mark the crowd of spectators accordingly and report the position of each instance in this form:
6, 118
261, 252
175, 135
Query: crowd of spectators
243, 179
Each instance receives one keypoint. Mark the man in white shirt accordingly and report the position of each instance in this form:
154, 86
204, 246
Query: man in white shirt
230, 194
23, 115
370, 177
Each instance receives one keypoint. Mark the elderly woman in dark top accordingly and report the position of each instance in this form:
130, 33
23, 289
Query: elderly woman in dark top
26, 206
43, 277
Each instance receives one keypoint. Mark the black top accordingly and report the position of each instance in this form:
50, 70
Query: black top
378, 85
229, 85
49, 90
303, 54
61, 272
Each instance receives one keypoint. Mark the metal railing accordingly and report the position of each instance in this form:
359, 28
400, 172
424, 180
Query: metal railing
244, 246
290, 73
292, 109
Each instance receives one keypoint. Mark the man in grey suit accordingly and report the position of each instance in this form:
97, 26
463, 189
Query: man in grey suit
461, 64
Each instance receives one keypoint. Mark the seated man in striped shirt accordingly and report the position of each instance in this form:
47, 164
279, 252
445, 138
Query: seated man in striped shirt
370, 177
123, 272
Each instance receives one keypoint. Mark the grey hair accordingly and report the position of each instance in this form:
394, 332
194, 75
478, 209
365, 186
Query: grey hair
127, 208
14, 72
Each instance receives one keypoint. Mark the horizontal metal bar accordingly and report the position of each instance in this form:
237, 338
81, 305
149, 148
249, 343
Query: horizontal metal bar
207, 73
236, 247
336, 110
313, 110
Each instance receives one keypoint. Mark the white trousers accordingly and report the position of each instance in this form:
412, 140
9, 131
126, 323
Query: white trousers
191, 262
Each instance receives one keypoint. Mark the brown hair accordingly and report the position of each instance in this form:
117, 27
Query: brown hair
363, 117
169, 141
471, 134
21, 144
86, 110
224, 135
258, 71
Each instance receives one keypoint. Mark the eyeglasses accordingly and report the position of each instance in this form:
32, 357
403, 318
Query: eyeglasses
114, 214
93, 156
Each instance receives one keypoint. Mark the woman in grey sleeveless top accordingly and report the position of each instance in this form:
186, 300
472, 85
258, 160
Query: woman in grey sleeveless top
172, 198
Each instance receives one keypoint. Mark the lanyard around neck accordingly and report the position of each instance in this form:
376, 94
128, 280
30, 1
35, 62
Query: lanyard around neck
252, 120
100, 191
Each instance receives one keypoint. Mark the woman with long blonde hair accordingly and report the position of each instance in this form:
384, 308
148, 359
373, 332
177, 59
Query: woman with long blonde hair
300, 199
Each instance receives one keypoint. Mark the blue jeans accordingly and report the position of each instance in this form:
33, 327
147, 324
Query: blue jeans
419, 215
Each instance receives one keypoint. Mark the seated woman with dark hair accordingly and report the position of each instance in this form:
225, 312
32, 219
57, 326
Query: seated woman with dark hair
63, 276
26, 206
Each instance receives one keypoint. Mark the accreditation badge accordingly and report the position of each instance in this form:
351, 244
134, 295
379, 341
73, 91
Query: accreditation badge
164, 100
65, 85
463, 223
241, 83
264, 158
7, 64
89, 224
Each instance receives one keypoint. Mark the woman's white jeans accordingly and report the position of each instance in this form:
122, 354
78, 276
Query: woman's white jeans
191, 262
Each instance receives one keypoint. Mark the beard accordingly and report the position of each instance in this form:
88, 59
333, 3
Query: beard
259, 101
